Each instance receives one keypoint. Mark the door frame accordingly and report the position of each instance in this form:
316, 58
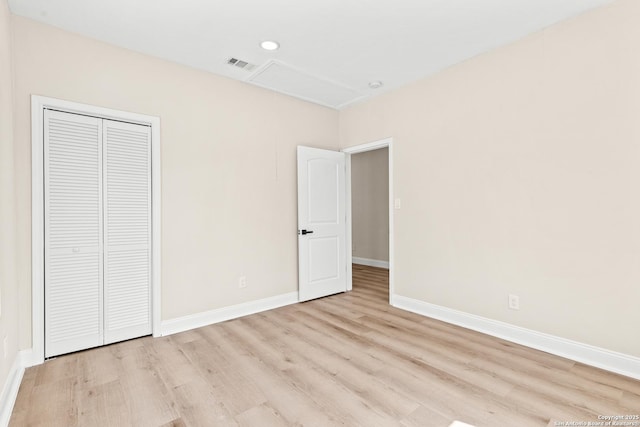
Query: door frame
362, 148
38, 105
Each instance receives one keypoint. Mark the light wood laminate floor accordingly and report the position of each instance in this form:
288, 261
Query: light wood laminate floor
348, 359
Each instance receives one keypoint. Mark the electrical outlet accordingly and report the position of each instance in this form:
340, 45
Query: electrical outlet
4, 346
242, 282
0, 302
397, 203
514, 302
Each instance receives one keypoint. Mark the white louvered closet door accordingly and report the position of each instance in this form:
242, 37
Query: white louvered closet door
97, 176
73, 232
127, 230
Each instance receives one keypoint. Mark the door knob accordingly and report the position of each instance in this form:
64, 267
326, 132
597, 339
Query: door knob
303, 232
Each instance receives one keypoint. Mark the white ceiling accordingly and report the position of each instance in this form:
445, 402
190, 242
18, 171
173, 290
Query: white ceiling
330, 49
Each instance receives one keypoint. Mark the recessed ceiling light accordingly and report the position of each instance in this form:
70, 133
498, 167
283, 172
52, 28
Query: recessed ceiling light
270, 45
375, 84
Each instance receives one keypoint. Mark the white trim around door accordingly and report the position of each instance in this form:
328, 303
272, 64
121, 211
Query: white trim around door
38, 105
370, 146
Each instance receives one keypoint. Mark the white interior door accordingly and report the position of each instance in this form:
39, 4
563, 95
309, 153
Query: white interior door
127, 230
73, 232
321, 223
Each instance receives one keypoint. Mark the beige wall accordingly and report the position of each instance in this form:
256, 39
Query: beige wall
228, 164
8, 284
370, 204
519, 172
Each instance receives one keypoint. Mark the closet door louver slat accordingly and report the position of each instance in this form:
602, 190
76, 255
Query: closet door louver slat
73, 232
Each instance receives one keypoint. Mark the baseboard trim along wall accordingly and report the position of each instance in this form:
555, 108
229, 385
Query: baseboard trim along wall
584, 353
370, 262
198, 320
12, 385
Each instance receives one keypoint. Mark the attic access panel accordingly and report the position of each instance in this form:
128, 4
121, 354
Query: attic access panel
283, 78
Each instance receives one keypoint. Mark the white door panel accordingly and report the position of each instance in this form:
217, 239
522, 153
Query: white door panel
127, 225
73, 232
323, 258
324, 204
321, 223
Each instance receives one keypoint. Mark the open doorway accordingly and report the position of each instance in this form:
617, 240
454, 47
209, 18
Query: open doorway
370, 206
370, 218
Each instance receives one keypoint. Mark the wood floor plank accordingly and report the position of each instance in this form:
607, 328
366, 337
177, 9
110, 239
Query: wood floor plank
100, 405
295, 407
315, 381
271, 370
52, 404
424, 417
262, 415
198, 406
344, 372
345, 360
148, 401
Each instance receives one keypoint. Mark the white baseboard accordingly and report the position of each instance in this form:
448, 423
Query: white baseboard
199, 320
370, 262
28, 359
584, 353
12, 385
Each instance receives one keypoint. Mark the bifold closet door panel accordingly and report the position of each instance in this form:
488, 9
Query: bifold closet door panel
127, 230
73, 232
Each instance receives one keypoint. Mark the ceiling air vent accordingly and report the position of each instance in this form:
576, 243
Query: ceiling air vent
241, 64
